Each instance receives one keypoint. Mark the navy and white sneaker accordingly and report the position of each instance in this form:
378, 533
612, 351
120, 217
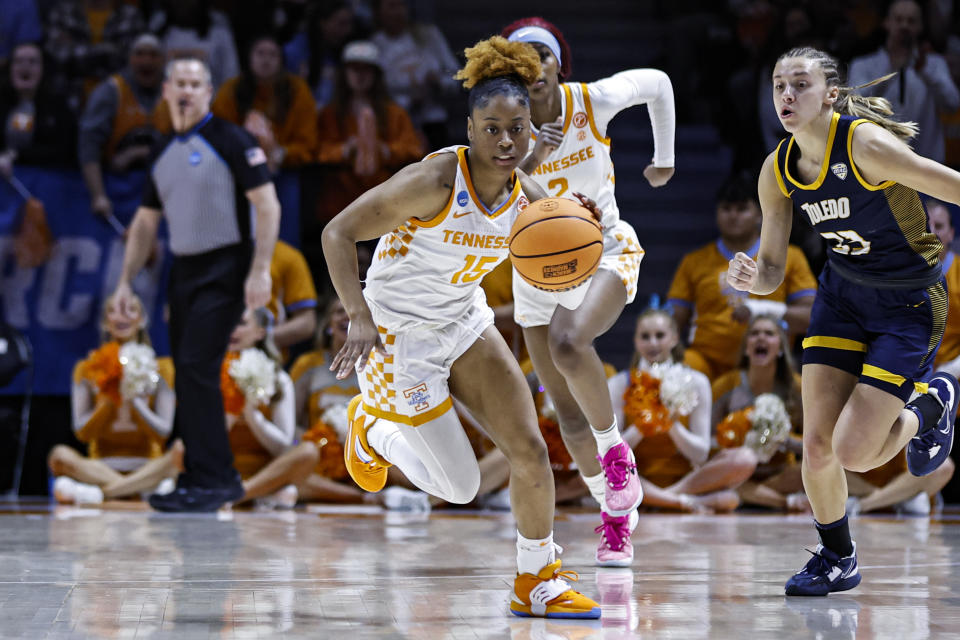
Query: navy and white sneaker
927, 451
825, 573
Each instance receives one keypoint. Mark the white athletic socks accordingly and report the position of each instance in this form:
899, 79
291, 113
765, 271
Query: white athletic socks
534, 555
608, 438
598, 488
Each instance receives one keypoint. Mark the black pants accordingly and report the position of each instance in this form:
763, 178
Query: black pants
206, 303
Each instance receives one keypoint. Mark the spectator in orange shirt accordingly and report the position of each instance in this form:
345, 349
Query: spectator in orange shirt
272, 104
365, 137
719, 314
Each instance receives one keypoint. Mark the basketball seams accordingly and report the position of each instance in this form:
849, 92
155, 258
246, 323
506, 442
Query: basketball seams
557, 253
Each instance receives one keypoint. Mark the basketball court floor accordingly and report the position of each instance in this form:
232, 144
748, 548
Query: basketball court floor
354, 573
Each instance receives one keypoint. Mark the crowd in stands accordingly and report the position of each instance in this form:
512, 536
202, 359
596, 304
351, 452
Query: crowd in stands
349, 92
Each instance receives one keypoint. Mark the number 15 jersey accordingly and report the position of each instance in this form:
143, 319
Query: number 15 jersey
429, 272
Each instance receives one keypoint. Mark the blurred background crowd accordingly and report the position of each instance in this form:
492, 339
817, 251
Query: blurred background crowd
341, 94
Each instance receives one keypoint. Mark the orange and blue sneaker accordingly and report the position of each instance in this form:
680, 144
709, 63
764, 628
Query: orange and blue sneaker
364, 464
549, 595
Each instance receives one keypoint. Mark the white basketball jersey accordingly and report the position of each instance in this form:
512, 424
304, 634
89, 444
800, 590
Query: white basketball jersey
582, 161
428, 272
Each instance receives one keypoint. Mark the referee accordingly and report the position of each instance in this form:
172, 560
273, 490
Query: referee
201, 181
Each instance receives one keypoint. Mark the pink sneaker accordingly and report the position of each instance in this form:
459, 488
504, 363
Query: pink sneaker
623, 493
615, 549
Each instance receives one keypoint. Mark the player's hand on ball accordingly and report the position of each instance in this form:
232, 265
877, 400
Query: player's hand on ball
589, 204
742, 272
658, 176
362, 338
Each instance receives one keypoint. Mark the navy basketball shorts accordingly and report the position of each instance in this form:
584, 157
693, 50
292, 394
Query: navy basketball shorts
886, 337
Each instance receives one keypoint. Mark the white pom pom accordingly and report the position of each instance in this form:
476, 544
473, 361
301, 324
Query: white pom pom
769, 426
677, 392
256, 376
140, 377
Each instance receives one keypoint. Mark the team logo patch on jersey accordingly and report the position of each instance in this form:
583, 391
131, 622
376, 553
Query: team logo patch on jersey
463, 198
194, 158
840, 170
418, 397
522, 203
580, 119
255, 156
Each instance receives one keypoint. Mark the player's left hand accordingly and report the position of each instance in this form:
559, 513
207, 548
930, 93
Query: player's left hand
742, 272
256, 290
658, 176
589, 204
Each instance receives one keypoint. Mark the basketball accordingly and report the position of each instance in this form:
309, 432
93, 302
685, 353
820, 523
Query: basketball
556, 244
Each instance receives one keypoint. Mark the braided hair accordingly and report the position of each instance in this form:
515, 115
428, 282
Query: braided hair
873, 108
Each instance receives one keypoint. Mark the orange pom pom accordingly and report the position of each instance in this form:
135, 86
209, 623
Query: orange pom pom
330, 463
642, 406
102, 368
733, 428
233, 398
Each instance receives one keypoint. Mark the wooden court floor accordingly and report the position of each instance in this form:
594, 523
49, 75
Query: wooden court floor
125, 572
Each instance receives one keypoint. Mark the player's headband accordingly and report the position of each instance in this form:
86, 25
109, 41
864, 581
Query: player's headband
540, 36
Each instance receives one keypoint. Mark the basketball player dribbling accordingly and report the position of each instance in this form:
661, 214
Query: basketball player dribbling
421, 329
572, 153
881, 306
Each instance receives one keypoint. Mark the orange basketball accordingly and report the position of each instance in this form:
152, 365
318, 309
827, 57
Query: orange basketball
556, 244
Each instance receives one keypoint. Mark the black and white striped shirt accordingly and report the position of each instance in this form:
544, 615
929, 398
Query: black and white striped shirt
199, 180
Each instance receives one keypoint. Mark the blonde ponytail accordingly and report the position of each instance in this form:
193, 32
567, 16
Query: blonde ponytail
875, 109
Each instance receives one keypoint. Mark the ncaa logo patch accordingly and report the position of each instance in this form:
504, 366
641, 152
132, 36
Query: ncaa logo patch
840, 170
194, 158
463, 198
580, 119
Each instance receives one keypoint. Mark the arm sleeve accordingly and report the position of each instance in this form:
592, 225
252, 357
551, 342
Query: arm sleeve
96, 123
639, 86
248, 162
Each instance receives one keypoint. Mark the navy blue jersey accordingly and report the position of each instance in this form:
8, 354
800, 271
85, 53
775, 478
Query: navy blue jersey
877, 235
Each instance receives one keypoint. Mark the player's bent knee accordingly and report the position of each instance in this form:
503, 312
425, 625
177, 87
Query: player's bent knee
817, 451
566, 347
463, 488
851, 457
